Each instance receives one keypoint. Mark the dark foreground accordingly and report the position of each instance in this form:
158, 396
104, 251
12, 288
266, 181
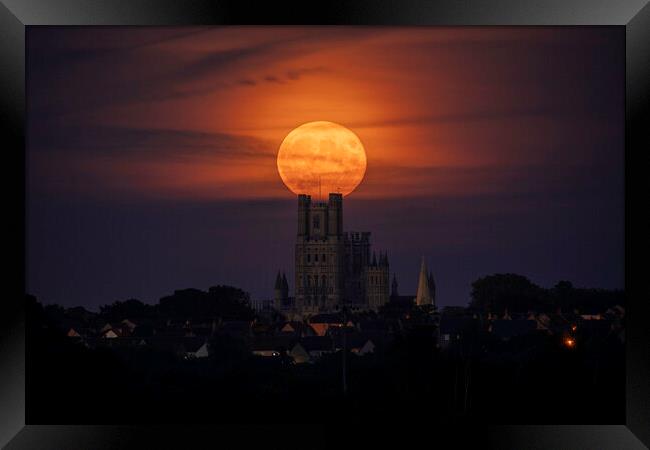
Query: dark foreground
532, 379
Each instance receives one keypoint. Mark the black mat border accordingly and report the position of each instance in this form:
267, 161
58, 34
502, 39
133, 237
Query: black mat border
16, 15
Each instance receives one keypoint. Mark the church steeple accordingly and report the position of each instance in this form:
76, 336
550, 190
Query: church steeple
424, 293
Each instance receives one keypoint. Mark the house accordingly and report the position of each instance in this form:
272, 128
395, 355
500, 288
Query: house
367, 347
591, 316
296, 329
452, 327
111, 333
311, 348
122, 329
73, 333
551, 323
128, 324
616, 311
355, 342
80, 332
271, 346
320, 328
195, 348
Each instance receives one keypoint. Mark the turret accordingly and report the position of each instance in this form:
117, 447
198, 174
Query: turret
393, 292
424, 293
335, 215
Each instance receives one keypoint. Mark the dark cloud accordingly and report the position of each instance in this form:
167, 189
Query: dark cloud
120, 142
296, 74
461, 117
247, 82
273, 79
143, 71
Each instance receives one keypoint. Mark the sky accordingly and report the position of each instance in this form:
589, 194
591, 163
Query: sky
151, 154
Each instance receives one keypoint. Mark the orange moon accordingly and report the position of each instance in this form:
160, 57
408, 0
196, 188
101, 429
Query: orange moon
324, 152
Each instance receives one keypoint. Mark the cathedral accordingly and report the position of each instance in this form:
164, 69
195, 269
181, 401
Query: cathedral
333, 268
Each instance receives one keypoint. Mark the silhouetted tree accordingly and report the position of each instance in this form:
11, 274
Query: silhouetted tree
129, 309
497, 292
227, 302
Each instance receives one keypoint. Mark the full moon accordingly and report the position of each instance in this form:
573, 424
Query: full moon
317, 158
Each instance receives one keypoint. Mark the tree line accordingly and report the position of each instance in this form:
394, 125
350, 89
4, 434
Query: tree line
516, 293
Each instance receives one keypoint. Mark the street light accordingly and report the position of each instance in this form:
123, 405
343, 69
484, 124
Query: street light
569, 342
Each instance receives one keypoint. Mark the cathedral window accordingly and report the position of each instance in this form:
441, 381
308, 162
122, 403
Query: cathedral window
316, 257
308, 257
324, 258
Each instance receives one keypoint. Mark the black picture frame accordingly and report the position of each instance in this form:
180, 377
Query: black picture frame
634, 15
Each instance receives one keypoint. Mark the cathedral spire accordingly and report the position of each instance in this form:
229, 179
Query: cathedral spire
424, 293
393, 292
374, 259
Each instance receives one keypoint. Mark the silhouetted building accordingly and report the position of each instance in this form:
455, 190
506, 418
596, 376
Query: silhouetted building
333, 268
281, 292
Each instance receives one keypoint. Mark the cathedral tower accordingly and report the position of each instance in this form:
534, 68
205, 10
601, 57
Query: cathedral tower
319, 255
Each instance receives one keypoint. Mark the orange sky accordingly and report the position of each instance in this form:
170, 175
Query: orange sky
440, 111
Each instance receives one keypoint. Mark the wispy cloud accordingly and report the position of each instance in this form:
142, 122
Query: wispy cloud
124, 142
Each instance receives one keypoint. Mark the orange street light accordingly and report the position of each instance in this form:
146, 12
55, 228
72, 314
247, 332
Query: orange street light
569, 342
